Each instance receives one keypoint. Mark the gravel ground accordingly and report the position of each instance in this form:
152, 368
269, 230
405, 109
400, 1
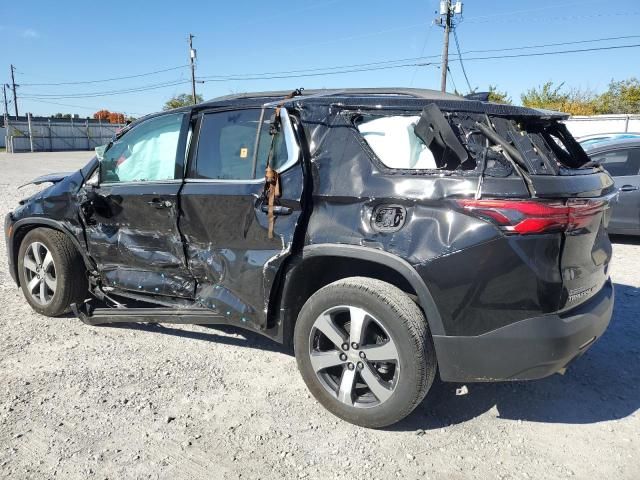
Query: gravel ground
138, 401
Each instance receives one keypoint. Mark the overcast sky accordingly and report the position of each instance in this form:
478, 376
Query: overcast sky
73, 41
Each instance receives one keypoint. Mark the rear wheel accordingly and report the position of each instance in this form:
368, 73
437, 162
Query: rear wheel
51, 271
364, 350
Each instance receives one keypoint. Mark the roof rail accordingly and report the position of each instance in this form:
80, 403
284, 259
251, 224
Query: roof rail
338, 92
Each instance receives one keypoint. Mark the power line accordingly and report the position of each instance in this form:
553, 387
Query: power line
417, 64
567, 17
282, 74
95, 109
558, 52
555, 6
321, 74
356, 68
84, 82
455, 37
107, 93
238, 76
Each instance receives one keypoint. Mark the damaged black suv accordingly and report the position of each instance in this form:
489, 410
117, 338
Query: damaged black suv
397, 233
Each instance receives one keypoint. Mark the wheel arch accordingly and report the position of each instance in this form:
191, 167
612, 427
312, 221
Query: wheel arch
24, 226
321, 264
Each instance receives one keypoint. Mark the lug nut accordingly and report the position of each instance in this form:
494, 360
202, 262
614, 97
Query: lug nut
343, 357
345, 346
360, 365
354, 345
350, 366
362, 355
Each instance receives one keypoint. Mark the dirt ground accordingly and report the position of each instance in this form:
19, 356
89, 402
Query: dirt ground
173, 402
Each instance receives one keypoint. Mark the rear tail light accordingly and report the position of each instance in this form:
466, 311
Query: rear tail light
531, 216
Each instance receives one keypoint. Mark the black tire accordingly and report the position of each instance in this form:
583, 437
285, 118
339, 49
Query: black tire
70, 271
406, 325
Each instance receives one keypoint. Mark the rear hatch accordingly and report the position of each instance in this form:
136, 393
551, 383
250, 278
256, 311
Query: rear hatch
564, 192
533, 178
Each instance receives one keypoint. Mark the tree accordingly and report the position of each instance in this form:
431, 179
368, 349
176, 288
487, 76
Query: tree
182, 100
102, 115
115, 117
551, 97
621, 97
497, 96
111, 117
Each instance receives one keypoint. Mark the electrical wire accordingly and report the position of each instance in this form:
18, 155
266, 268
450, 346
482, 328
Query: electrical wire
83, 82
339, 67
418, 64
455, 37
453, 82
95, 109
409, 59
376, 66
106, 93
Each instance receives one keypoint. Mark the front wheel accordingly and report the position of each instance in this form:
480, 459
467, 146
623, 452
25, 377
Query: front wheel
51, 272
364, 350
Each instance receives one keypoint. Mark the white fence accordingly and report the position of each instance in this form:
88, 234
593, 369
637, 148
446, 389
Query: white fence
48, 135
76, 134
581, 126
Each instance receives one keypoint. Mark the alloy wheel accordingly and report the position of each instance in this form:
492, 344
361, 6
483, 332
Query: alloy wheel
354, 357
40, 273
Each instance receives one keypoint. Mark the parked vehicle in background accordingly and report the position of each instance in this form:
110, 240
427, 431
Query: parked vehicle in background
621, 158
588, 141
396, 233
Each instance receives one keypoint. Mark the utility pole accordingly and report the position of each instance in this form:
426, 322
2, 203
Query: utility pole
192, 57
6, 105
447, 12
13, 87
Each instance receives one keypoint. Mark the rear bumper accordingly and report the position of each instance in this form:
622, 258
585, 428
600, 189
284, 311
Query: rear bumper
528, 349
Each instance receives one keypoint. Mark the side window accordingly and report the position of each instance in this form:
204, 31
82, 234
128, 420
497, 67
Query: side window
227, 144
620, 163
145, 153
394, 142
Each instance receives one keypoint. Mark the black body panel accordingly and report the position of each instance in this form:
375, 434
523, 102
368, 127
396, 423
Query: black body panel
132, 234
228, 249
529, 349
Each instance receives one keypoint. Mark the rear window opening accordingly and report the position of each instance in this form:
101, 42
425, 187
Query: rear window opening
463, 141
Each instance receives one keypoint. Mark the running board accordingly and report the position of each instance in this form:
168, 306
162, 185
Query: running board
99, 316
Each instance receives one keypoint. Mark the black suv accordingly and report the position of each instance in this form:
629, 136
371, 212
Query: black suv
398, 233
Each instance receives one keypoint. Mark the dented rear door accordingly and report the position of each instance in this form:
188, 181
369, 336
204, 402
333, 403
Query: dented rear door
223, 211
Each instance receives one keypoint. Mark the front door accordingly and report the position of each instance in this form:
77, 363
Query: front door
224, 216
131, 216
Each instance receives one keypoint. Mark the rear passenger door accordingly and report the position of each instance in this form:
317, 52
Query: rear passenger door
624, 166
223, 211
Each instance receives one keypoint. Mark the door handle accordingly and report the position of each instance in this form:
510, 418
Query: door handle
159, 203
628, 188
277, 209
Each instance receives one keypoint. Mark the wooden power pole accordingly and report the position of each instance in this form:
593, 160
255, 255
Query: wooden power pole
192, 57
13, 87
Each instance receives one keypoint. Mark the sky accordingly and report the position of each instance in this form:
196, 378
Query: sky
72, 41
